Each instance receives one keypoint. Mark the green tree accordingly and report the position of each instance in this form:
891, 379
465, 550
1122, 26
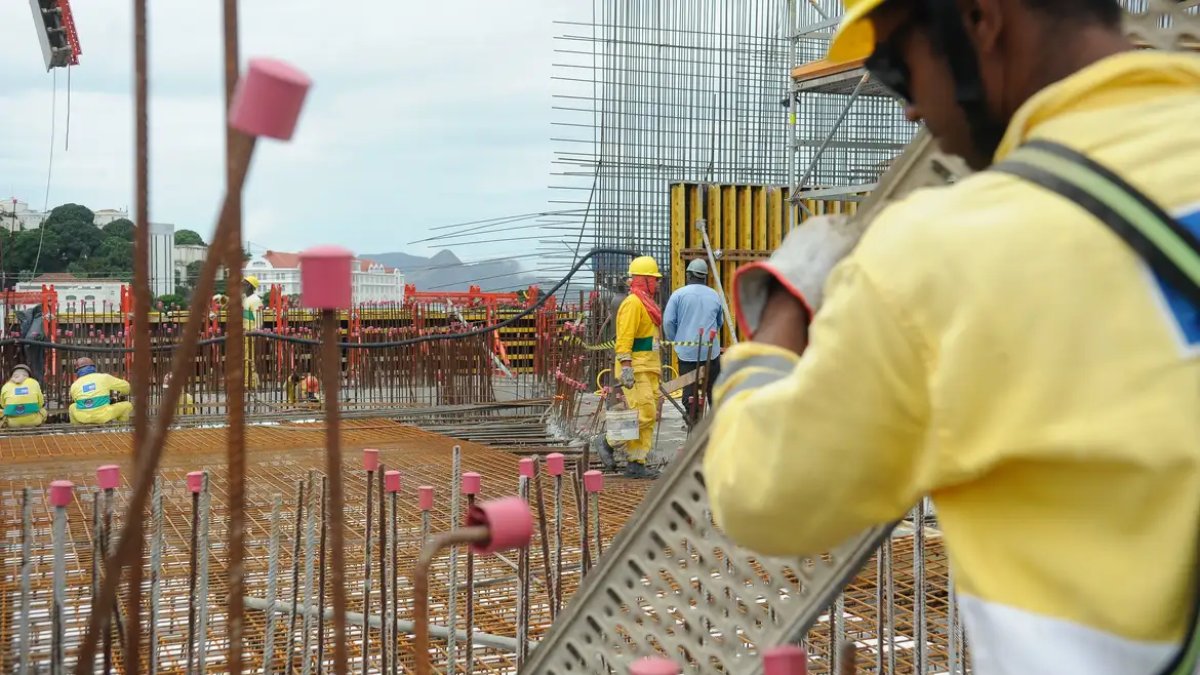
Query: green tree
22, 255
121, 227
188, 238
70, 212
78, 242
172, 301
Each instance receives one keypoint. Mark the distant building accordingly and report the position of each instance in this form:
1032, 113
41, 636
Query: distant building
186, 255
15, 215
372, 282
76, 294
162, 258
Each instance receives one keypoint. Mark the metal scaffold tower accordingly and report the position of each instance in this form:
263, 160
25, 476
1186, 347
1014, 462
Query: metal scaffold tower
649, 92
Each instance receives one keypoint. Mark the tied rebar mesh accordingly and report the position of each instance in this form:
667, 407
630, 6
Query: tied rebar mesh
649, 92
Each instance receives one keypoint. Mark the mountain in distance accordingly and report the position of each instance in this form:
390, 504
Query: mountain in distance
445, 272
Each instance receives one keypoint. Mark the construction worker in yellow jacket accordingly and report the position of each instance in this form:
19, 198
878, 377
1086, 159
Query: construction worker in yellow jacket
993, 345
21, 401
91, 396
252, 319
638, 365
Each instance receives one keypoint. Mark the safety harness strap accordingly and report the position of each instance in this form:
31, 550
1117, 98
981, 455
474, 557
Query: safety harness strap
1169, 248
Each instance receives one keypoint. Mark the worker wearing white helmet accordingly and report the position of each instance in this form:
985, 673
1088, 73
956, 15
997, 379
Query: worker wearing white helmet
1001, 344
21, 401
693, 318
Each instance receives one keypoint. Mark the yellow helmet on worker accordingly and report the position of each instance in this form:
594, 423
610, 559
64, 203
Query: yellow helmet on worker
252, 280
855, 35
644, 266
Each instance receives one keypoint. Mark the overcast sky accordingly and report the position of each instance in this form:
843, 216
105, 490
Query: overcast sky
420, 114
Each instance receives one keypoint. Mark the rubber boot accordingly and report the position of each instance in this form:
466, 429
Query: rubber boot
604, 451
639, 470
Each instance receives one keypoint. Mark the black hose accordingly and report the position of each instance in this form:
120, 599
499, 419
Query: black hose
344, 345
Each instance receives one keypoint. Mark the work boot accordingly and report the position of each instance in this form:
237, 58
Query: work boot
604, 451
639, 470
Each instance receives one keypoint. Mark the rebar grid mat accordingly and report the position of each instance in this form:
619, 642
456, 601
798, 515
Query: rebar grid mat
279, 457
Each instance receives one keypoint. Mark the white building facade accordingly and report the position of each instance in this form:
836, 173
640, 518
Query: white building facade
79, 295
162, 259
372, 282
15, 215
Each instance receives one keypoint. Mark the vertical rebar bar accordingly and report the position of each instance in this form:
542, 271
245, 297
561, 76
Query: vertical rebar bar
383, 599
393, 643
919, 590
291, 637
202, 584
321, 579
105, 533
272, 586
58, 636
331, 370
469, 642
522, 582
310, 542
192, 575
366, 592
23, 664
558, 542
97, 548
156, 551
542, 528
455, 520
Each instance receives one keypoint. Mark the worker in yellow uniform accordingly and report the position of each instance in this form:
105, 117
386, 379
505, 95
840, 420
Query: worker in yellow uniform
994, 343
91, 396
21, 401
252, 319
302, 388
186, 405
639, 320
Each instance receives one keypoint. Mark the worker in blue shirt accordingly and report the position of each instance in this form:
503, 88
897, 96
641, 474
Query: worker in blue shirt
694, 311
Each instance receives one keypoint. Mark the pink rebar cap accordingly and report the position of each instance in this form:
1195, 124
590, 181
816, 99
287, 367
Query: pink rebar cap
108, 476
508, 519
471, 483
425, 497
593, 481
527, 467
785, 660
556, 463
61, 492
325, 277
195, 481
268, 99
653, 666
391, 480
370, 459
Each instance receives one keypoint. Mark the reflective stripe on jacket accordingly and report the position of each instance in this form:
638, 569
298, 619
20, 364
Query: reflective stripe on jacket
94, 390
21, 399
991, 344
637, 337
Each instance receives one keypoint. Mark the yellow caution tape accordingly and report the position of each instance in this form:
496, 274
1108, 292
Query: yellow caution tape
612, 344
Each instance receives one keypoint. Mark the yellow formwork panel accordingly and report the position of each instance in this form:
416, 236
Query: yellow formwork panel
745, 223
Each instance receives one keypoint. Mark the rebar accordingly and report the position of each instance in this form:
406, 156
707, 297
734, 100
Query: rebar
156, 554
333, 453
383, 599
464, 535
272, 587
58, 636
23, 664
469, 643
310, 542
291, 639
366, 590
202, 583
455, 519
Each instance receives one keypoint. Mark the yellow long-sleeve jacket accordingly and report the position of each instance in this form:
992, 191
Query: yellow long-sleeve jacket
94, 391
637, 337
17, 400
993, 345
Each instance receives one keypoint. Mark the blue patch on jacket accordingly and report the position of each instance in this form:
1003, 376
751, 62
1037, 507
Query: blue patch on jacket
1186, 315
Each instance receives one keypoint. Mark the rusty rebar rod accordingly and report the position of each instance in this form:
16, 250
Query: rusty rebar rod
141, 323
366, 592
465, 535
321, 577
235, 364
193, 554
383, 599
291, 639
126, 552
551, 583
331, 370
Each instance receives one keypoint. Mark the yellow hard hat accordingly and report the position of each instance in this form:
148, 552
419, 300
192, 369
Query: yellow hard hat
644, 266
252, 280
855, 36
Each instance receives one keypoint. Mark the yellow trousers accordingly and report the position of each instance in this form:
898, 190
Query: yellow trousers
643, 397
30, 420
116, 412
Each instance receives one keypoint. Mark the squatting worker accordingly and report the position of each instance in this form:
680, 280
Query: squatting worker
694, 312
252, 319
91, 396
638, 364
994, 345
21, 401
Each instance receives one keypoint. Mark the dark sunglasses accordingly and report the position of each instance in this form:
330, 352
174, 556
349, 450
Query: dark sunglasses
886, 64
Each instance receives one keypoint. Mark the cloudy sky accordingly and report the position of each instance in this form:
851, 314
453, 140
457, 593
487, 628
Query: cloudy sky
421, 114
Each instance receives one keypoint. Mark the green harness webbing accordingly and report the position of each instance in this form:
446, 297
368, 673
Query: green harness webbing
1170, 250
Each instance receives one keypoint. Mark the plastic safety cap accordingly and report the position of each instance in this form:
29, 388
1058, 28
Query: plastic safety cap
471, 483
108, 476
425, 497
195, 481
61, 492
370, 459
653, 666
325, 277
527, 467
509, 521
555, 463
391, 480
785, 660
593, 481
268, 99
